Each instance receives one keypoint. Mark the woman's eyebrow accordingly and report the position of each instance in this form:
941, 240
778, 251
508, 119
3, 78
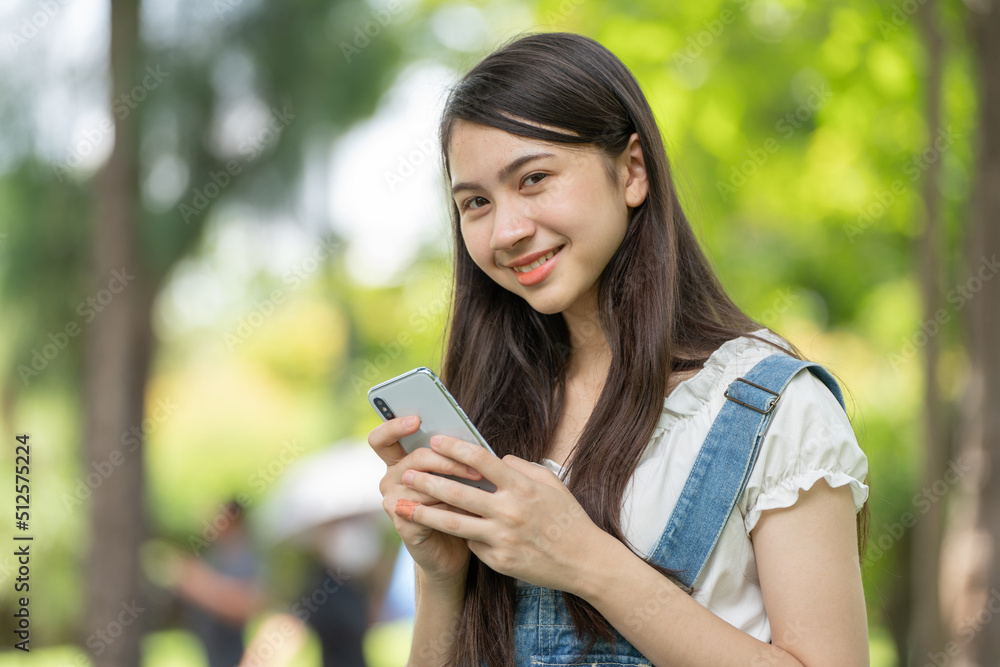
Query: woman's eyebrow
505, 172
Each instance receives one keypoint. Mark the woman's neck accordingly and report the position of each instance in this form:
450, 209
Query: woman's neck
590, 353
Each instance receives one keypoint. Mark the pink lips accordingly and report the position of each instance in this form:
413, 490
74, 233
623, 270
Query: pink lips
539, 273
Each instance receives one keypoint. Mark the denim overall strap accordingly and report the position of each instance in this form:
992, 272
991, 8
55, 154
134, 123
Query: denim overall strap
724, 463
544, 632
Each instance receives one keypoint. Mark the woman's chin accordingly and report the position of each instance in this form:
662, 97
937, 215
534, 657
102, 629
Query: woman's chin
546, 306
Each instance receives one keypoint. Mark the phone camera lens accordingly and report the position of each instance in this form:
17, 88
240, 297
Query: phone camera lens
384, 408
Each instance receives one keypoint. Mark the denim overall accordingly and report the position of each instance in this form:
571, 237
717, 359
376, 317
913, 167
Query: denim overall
544, 633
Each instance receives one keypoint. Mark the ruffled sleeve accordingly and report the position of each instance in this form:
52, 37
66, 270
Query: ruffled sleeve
809, 438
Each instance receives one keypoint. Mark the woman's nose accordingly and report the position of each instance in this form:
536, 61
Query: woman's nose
510, 225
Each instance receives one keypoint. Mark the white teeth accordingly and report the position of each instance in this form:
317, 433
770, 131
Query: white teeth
534, 265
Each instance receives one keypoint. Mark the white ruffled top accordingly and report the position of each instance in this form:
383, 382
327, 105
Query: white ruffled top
809, 438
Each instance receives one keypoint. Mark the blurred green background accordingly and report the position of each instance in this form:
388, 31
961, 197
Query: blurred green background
264, 178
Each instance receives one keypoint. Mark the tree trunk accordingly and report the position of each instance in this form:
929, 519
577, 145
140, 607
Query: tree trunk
115, 372
983, 313
925, 621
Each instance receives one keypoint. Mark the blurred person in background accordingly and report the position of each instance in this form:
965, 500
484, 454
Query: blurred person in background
220, 588
324, 507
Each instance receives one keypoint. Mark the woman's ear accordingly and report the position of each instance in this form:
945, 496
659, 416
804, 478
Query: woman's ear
634, 164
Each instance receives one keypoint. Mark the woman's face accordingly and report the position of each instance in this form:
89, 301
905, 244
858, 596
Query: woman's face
541, 219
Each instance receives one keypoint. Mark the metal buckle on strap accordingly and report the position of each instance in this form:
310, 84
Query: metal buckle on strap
747, 405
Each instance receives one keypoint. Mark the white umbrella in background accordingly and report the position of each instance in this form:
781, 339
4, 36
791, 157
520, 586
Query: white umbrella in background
338, 483
330, 502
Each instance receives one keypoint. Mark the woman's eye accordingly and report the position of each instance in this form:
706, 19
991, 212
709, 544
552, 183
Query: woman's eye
531, 179
473, 202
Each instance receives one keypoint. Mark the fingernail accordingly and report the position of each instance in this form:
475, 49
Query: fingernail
473, 471
436, 440
408, 477
410, 422
404, 508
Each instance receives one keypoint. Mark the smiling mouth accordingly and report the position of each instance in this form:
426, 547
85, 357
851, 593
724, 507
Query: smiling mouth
538, 262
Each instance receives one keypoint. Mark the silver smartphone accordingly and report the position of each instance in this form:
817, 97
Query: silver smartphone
420, 392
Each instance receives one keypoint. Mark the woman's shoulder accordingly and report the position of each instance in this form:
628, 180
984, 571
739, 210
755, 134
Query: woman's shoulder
741, 354
806, 400
809, 438
726, 363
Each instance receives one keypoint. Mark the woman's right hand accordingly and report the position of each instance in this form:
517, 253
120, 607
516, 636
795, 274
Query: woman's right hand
441, 557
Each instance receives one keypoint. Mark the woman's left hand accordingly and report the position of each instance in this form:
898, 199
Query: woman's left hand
531, 527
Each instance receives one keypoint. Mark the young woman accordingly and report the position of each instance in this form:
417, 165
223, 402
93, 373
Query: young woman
672, 489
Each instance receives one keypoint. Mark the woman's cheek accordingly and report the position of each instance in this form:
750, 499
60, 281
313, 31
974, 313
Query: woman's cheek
478, 248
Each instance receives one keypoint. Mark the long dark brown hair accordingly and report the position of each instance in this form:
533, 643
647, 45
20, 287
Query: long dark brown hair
660, 306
